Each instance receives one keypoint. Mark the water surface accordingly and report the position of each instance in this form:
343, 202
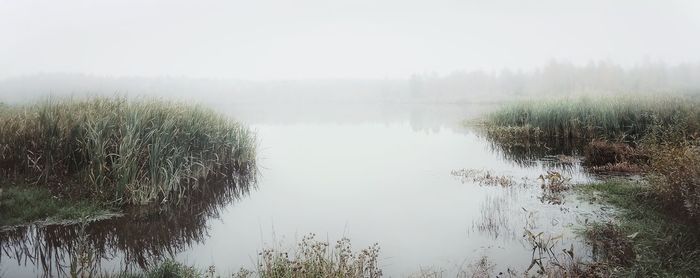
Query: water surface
380, 178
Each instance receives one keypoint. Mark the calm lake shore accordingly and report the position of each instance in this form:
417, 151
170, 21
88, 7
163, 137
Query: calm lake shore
532, 191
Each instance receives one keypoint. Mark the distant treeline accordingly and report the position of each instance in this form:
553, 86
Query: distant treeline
552, 79
561, 79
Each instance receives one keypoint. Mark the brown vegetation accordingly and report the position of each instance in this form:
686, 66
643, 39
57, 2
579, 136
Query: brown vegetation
553, 184
611, 244
483, 177
676, 180
603, 152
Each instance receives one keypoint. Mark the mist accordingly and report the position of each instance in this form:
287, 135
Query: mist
442, 138
313, 39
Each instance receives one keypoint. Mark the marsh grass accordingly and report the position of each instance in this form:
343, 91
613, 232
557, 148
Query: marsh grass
121, 151
663, 244
620, 118
654, 136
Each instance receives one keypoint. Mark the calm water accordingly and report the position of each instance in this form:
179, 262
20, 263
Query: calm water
380, 178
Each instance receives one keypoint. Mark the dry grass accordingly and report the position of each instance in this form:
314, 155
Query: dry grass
617, 168
315, 258
676, 180
553, 184
604, 152
611, 245
483, 177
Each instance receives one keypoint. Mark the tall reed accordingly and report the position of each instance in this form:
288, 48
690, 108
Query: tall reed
127, 152
626, 118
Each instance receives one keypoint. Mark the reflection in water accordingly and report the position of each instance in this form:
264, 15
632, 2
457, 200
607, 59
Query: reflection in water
144, 236
520, 215
496, 217
560, 154
381, 175
531, 155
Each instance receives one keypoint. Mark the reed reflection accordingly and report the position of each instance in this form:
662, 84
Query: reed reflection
140, 238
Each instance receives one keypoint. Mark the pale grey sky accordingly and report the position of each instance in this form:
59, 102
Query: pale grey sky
336, 39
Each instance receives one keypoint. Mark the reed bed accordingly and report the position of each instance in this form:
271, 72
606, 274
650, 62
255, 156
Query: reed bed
121, 151
626, 118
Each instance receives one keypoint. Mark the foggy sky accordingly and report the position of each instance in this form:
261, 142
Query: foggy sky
308, 39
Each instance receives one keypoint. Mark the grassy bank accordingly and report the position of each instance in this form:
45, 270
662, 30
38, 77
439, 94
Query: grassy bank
119, 152
627, 118
662, 243
657, 137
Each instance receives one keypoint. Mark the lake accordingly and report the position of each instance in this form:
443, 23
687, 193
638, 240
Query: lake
372, 173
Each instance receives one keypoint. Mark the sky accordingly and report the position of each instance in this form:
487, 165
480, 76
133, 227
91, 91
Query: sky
320, 39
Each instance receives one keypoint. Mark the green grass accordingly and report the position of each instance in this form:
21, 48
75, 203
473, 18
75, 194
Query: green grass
120, 151
628, 118
23, 204
665, 245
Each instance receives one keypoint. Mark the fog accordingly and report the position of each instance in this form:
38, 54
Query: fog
317, 39
366, 121
263, 55
555, 79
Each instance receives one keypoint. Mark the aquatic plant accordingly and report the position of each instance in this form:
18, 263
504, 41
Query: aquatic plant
121, 151
549, 263
553, 184
482, 177
542, 248
624, 118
